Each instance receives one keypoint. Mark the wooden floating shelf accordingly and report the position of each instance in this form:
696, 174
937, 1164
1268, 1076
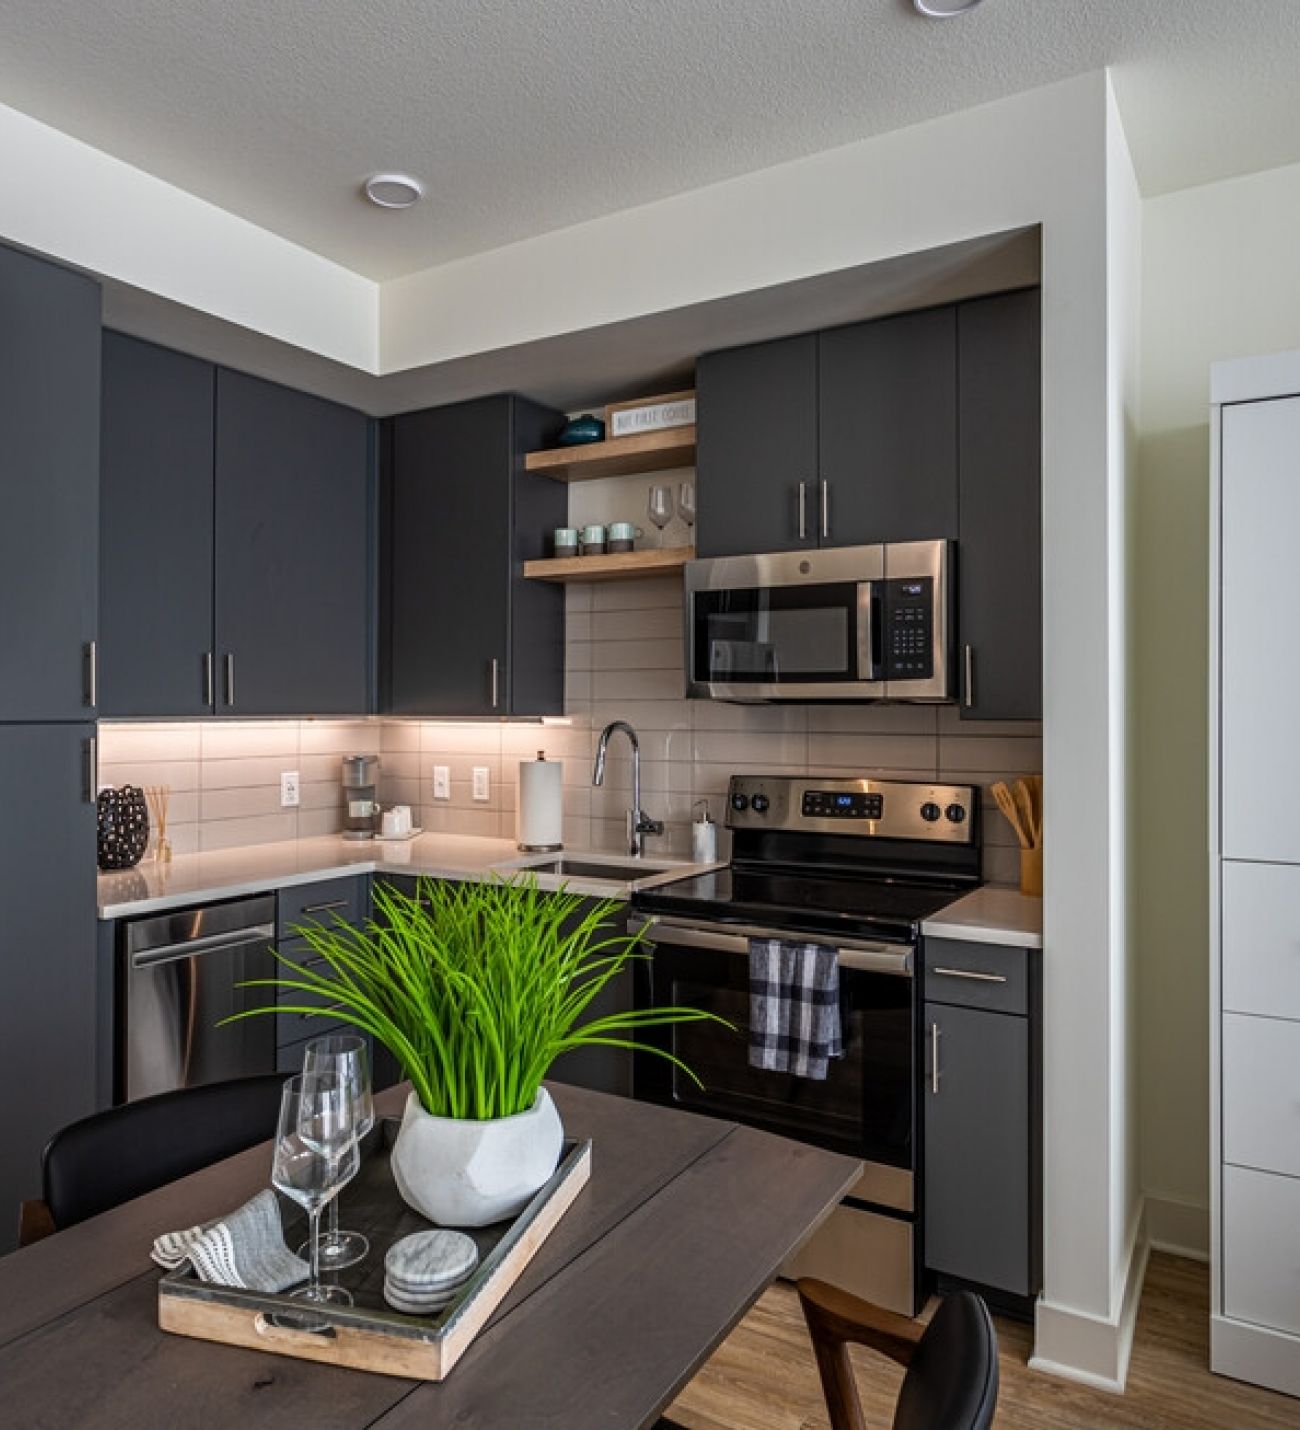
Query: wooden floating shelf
618, 457
621, 566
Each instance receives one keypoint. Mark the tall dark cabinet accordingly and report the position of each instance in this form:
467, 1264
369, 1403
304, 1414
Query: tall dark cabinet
463, 632
293, 528
156, 653
49, 489
999, 574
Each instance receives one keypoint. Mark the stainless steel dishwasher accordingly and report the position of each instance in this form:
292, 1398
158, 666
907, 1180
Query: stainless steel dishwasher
180, 977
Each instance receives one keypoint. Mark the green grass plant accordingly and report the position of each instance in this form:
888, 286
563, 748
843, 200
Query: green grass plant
474, 987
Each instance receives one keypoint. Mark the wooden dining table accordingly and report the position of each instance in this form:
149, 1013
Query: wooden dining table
685, 1221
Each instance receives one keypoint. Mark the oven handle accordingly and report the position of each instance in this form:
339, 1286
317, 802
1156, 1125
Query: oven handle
887, 958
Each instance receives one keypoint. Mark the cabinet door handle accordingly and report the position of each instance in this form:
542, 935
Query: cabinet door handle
209, 698
802, 510
90, 652
826, 511
934, 1059
90, 754
969, 696
496, 682
325, 907
230, 678
970, 973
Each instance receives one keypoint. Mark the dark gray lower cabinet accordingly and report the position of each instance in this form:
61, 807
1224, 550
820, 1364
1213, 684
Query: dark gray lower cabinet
49, 488
47, 951
600, 1068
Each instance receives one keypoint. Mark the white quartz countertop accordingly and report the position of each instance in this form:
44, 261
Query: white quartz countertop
230, 873
992, 914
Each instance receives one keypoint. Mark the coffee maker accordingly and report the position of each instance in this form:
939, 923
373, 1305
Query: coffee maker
360, 796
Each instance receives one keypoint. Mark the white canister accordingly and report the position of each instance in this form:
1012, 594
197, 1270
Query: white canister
704, 836
541, 804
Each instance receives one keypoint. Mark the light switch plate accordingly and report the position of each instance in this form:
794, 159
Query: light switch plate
442, 781
289, 789
482, 790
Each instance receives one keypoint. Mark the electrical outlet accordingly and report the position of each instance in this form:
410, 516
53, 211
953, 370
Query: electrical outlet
482, 790
289, 789
442, 781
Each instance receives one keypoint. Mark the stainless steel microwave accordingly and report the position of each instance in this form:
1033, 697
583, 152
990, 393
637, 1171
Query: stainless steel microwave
846, 623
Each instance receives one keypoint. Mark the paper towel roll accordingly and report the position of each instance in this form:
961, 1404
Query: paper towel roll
541, 803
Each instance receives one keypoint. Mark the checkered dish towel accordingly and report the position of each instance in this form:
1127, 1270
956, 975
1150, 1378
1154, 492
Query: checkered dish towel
245, 1248
794, 1007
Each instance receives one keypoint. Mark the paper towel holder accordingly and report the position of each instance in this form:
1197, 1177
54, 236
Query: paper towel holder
521, 845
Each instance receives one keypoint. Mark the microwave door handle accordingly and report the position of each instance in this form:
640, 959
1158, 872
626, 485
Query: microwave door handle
868, 632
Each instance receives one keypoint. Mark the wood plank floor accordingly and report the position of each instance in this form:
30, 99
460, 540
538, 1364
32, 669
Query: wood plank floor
764, 1378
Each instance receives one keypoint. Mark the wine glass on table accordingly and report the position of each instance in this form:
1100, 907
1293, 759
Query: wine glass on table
660, 508
315, 1142
346, 1057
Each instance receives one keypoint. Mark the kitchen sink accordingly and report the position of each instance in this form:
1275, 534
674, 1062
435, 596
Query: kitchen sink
590, 869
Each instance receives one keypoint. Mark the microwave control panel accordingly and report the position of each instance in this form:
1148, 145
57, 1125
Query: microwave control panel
909, 628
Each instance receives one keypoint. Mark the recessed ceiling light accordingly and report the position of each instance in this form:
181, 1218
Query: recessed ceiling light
393, 191
944, 9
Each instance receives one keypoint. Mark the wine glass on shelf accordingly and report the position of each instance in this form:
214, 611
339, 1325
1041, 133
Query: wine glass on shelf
660, 508
686, 507
346, 1057
313, 1137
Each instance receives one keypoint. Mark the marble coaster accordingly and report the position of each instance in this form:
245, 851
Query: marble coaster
418, 1307
430, 1262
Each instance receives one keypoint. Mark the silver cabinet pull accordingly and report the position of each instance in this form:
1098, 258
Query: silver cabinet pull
802, 510
230, 678
90, 753
934, 1058
826, 511
90, 652
209, 697
969, 699
326, 907
970, 973
496, 682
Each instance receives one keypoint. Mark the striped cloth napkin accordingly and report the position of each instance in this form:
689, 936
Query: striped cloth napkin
794, 1007
243, 1249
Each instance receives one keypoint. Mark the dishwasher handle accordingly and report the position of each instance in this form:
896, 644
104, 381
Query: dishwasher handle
209, 943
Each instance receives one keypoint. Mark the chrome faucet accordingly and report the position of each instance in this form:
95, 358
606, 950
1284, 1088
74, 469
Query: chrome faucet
639, 823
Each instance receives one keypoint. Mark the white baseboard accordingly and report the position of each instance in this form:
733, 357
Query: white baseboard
1178, 1228
1093, 1350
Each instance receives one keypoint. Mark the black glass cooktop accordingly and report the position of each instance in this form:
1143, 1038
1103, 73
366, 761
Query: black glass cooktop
842, 903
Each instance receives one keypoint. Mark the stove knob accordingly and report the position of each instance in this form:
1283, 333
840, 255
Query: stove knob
759, 804
956, 813
930, 812
740, 803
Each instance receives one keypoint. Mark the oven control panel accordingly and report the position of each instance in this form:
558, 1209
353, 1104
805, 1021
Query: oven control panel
866, 808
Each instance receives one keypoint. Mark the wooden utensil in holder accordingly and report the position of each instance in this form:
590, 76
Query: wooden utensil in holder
1022, 804
159, 796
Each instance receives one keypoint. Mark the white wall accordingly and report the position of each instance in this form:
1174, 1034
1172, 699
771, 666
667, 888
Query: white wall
1221, 279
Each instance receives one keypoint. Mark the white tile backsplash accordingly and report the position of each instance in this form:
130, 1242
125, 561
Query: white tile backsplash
624, 661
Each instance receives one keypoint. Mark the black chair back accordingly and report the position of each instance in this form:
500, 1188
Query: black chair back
952, 1380
110, 1157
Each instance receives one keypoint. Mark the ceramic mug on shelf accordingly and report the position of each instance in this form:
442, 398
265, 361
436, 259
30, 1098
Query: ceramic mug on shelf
566, 541
593, 540
623, 535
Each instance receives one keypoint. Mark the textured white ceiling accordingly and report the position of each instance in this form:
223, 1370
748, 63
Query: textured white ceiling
523, 116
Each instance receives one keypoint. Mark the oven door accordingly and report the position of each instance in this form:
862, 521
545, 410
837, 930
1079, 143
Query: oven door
865, 1106
788, 626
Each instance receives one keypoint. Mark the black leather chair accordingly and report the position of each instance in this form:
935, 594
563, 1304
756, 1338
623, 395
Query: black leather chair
952, 1364
110, 1157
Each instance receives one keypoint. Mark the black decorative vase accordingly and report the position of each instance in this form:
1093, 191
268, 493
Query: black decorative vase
123, 818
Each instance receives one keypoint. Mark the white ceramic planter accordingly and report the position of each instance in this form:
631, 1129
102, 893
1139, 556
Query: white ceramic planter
462, 1173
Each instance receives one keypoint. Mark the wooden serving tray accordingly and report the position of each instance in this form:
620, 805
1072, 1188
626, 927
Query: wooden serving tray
369, 1334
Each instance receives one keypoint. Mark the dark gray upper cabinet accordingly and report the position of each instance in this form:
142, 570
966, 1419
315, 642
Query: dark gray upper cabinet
887, 422
293, 553
47, 891
155, 581
463, 632
756, 451
49, 488
1000, 604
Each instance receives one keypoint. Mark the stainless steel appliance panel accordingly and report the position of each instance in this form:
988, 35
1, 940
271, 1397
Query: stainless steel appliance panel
181, 973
